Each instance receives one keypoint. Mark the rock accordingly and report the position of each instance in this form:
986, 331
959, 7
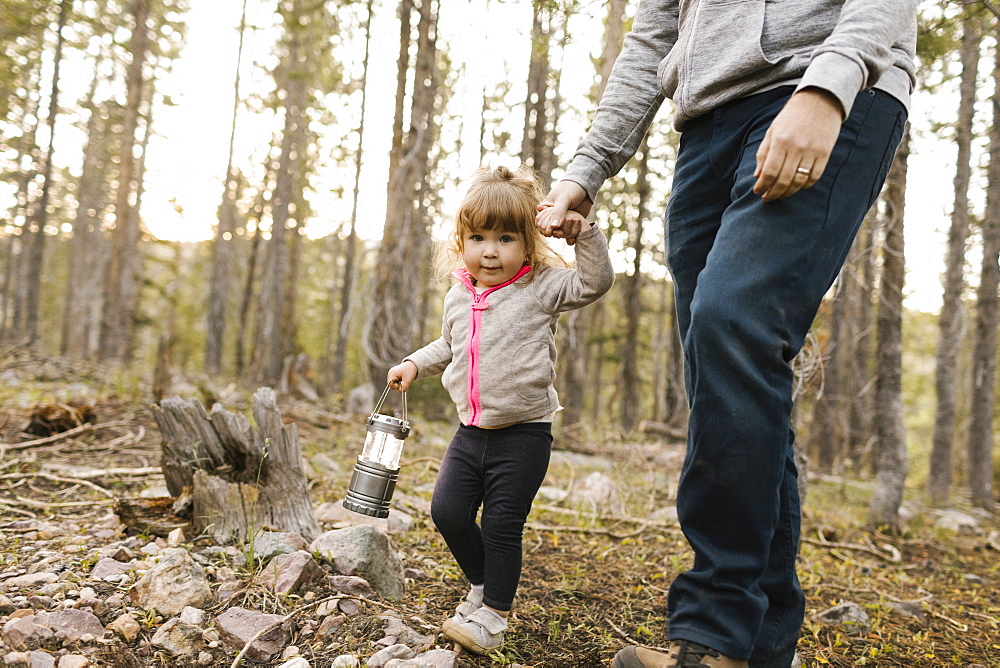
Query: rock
71, 625
272, 543
395, 627
666, 514
366, 552
325, 465
74, 661
30, 580
348, 607
176, 537
295, 662
345, 661
107, 568
850, 615
438, 658
796, 661
126, 626
329, 623
286, 573
958, 522
205, 659
25, 632
361, 399
194, 616
175, 582
227, 590
339, 517
550, 494
598, 494
350, 584
35, 659
6, 605
382, 657
179, 638
237, 626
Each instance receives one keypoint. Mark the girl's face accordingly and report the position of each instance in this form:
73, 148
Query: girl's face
493, 256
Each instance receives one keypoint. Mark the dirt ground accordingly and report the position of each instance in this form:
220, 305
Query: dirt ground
592, 582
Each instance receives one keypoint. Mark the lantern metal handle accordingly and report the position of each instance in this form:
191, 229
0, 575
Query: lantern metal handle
385, 393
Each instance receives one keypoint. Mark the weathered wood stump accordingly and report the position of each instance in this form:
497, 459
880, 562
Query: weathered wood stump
241, 479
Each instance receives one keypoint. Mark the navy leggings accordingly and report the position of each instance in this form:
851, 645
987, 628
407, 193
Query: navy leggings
500, 470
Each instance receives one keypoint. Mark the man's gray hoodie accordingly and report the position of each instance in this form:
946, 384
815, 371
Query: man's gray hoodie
704, 53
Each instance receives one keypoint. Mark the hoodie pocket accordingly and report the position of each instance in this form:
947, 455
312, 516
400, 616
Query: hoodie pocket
531, 370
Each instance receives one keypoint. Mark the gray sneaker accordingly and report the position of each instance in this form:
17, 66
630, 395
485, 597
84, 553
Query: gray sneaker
481, 632
471, 603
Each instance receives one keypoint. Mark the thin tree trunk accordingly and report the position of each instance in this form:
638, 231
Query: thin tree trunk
951, 321
891, 459
116, 311
273, 290
81, 311
132, 277
36, 259
828, 407
575, 349
218, 297
244, 314
347, 282
984, 356
535, 120
630, 402
391, 324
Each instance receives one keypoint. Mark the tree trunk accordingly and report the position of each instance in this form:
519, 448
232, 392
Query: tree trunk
828, 406
632, 288
218, 295
861, 379
117, 304
984, 355
891, 458
82, 308
347, 282
951, 321
242, 480
272, 307
34, 265
575, 350
535, 107
392, 321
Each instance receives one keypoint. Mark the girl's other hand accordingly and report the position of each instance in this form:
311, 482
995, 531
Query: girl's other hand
401, 375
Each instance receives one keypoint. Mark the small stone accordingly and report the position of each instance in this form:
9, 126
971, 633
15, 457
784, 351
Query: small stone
126, 626
195, 616
176, 537
74, 661
205, 659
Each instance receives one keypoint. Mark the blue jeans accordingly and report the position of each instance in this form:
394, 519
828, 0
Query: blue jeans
749, 276
500, 469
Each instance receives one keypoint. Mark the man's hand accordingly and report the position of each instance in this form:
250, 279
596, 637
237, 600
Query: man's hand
551, 219
798, 144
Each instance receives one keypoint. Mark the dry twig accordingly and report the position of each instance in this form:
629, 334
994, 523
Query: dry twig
76, 431
52, 478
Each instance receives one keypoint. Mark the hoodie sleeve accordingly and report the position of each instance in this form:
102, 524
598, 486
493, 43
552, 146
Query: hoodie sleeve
631, 98
568, 289
859, 50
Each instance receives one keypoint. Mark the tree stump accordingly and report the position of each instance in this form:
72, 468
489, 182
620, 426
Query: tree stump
242, 479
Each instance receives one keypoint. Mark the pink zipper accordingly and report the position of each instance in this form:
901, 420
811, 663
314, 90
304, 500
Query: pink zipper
479, 304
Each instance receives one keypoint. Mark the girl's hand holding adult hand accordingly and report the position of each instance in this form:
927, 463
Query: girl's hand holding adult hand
551, 218
401, 375
798, 144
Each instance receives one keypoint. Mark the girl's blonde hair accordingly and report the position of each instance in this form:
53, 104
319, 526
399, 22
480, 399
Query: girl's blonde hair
499, 199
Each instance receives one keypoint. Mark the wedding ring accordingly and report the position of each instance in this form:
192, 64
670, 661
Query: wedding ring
803, 170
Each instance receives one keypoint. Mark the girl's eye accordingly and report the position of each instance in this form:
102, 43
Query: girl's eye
507, 239
476, 237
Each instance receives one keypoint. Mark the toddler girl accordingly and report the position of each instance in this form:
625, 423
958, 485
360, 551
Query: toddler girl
497, 357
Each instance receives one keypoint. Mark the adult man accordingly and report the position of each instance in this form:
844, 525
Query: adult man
790, 113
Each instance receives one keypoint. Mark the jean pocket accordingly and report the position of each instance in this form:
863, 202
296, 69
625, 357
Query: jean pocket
888, 157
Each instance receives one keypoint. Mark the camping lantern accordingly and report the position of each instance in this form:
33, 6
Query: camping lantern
376, 471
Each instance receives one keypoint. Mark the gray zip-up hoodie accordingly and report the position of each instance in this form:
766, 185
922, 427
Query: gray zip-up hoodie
497, 349
704, 53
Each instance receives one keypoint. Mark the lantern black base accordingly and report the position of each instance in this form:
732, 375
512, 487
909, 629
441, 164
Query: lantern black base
371, 489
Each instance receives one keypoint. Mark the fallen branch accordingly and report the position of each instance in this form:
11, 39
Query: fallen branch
75, 431
82, 473
958, 625
52, 478
631, 639
894, 558
31, 503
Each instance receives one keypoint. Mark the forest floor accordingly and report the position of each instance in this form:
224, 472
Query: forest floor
592, 581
